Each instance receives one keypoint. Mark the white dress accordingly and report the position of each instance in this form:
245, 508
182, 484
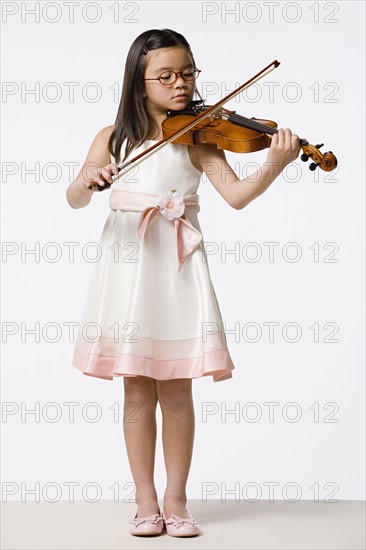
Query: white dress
143, 316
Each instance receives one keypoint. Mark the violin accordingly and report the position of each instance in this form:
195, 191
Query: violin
226, 129
232, 132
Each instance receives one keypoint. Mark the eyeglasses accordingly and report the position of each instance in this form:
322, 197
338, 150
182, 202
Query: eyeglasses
169, 77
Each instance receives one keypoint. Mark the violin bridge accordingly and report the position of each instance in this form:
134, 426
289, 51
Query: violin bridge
216, 114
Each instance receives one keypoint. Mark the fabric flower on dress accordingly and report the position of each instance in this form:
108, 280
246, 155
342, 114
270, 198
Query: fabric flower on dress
171, 204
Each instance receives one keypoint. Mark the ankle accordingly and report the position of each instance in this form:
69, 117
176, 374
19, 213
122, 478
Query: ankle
176, 498
146, 497
143, 499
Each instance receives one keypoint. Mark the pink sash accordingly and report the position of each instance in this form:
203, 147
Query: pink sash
188, 237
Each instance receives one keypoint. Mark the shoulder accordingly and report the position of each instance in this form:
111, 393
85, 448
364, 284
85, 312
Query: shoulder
98, 151
105, 133
100, 141
205, 153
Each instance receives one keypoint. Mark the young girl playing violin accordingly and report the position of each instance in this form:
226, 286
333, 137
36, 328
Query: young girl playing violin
168, 306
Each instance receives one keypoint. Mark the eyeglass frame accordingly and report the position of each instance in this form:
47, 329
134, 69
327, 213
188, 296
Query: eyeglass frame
176, 76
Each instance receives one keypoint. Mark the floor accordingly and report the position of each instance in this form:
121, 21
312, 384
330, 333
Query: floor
230, 525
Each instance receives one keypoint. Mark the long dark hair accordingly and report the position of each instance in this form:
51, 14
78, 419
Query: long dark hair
132, 121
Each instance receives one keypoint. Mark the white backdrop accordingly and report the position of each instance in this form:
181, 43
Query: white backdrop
298, 392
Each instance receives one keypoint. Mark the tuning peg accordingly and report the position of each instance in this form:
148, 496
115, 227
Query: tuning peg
304, 157
313, 165
320, 145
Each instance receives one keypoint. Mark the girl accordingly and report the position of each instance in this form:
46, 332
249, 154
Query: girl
151, 314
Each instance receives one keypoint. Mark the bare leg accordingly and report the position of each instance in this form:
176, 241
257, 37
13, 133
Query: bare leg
176, 402
139, 427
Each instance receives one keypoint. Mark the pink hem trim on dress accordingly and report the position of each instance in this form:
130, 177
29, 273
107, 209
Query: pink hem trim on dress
108, 367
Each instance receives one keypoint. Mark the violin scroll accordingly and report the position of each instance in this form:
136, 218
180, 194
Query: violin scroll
326, 161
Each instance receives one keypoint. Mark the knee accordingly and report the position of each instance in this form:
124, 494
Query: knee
174, 393
140, 390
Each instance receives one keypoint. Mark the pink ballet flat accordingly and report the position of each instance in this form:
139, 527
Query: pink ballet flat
147, 526
181, 527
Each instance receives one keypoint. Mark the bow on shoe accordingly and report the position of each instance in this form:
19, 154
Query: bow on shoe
155, 518
188, 238
178, 521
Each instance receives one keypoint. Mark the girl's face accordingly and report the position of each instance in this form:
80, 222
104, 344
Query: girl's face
162, 97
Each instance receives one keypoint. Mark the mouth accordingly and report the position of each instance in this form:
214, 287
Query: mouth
181, 96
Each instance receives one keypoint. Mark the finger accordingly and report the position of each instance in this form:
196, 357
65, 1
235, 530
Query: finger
281, 137
102, 175
97, 180
288, 136
112, 168
115, 169
107, 175
295, 142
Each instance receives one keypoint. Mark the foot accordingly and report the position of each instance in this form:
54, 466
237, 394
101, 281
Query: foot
147, 526
182, 527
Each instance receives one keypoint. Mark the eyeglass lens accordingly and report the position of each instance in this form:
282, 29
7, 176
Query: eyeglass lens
168, 77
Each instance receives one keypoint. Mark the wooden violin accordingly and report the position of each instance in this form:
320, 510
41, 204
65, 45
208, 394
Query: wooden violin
232, 132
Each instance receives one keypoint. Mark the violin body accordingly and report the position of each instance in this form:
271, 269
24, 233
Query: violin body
220, 132
232, 132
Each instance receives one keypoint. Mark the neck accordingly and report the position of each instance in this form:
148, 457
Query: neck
155, 130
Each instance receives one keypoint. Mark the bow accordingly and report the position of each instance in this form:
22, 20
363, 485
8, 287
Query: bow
155, 518
178, 521
188, 238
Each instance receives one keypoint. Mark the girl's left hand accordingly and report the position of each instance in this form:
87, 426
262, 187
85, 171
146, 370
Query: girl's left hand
284, 148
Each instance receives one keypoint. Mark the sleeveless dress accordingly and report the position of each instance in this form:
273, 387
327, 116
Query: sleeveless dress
151, 309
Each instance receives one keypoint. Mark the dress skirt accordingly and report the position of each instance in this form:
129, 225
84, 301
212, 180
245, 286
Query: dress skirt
143, 317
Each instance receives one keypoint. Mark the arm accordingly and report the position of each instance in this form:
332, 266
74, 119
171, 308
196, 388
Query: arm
239, 193
77, 194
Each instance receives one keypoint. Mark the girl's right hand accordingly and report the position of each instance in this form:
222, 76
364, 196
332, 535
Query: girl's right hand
94, 176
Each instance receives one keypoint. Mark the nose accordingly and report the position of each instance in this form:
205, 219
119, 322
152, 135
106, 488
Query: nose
180, 81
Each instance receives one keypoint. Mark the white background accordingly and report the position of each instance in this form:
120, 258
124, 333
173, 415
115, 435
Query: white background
318, 93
